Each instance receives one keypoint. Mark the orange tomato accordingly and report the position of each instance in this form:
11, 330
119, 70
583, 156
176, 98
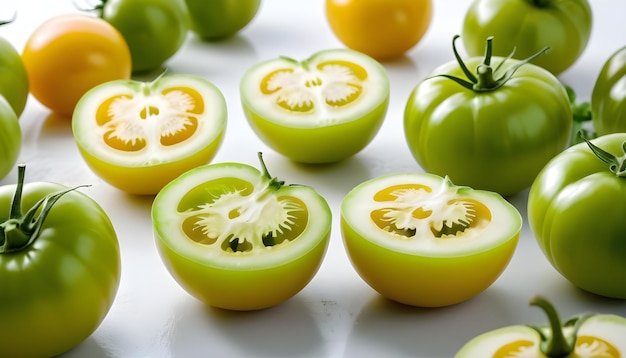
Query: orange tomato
383, 29
69, 54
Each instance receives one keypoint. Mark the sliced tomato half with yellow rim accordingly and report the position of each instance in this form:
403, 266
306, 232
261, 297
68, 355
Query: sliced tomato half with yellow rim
420, 240
320, 110
138, 136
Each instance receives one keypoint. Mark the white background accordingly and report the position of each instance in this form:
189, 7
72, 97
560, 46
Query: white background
337, 314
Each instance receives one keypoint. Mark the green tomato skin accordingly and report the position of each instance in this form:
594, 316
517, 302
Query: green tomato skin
324, 144
497, 140
154, 29
527, 27
217, 19
67, 280
13, 78
608, 99
576, 210
10, 138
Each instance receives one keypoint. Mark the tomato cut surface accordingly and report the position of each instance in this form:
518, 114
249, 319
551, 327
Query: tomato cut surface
420, 240
236, 238
324, 109
138, 136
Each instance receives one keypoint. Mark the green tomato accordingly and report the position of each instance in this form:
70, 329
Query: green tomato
218, 19
13, 77
59, 268
238, 239
608, 99
588, 335
154, 29
491, 133
321, 110
10, 138
420, 240
576, 211
523, 27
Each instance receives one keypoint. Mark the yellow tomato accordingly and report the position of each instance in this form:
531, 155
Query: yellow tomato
69, 54
383, 29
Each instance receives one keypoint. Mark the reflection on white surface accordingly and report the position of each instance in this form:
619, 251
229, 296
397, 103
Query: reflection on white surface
337, 315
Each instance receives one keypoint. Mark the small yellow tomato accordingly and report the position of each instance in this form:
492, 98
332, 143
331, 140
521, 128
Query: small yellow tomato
383, 29
69, 54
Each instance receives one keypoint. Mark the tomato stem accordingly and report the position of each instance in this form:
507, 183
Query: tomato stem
540, 3
20, 230
581, 113
485, 78
275, 184
617, 165
554, 342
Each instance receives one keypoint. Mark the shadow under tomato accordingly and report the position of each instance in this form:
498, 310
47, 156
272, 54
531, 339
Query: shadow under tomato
286, 330
88, 348
390, 329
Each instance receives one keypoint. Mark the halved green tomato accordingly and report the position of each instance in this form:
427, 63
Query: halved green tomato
321, 110
420, 240
585, 335
139, 136
237, 239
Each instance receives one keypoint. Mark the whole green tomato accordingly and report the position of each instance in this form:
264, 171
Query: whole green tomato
608, 99
10, 138
237, 238
576, 209
13, 77
218, 19
524, 27
154, 29
320, 110
59, 268
491, 132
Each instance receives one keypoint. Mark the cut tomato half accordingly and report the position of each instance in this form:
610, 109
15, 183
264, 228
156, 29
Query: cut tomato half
420, 240
320, 110
238, 239
139, 136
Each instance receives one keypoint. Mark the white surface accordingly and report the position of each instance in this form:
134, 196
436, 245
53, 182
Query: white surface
337, 314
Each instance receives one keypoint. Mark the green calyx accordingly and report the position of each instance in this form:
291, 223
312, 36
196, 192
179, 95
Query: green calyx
581, 113
555, 342
486, 76
20, 230
617, 165
274, 184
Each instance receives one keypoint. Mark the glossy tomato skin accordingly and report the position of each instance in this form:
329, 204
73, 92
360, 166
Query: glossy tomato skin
154, 29
138, 136
383, 29
10, 138
68, 278
194, 233
321, 110
58, 81
608, 99
388, 227
495, 140
13, 77
219, 19
527, 26
576, 211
